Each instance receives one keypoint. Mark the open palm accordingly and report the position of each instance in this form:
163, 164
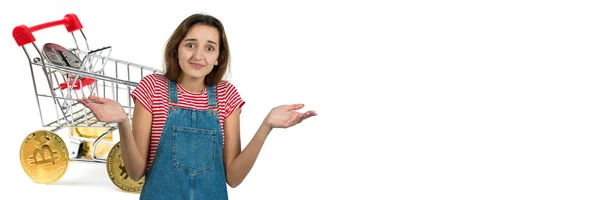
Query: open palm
105, 110
286, 116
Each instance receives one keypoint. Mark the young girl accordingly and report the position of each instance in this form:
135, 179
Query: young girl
185, 138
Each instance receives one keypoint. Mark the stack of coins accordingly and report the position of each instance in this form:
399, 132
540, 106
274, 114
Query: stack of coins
85, 150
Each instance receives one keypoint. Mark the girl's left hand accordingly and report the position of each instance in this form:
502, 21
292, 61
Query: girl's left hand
285, 116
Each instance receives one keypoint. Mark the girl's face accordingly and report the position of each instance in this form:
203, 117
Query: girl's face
199, 51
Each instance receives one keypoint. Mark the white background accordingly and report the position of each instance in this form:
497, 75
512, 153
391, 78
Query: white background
416, 99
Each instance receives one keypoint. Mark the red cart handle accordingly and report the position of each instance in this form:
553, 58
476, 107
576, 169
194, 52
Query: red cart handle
24, 35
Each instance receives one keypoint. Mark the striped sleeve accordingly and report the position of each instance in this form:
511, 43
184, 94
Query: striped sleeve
144, 92
233, 100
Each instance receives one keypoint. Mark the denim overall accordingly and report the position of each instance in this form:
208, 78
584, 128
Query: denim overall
189, 160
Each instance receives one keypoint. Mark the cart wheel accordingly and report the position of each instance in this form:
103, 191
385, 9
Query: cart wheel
118, 174
44, 156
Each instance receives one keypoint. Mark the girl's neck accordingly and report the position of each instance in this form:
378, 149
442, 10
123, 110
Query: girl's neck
191, 84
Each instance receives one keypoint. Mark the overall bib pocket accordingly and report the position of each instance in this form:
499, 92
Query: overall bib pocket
193, 150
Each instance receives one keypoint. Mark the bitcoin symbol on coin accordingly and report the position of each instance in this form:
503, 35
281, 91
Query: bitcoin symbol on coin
40, 152
118, 174
123, 172
44, 156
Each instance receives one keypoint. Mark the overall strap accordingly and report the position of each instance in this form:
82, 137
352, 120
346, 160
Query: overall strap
212, 97
172, 92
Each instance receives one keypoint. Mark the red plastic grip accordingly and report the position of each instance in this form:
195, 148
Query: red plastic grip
24, 35
77, 84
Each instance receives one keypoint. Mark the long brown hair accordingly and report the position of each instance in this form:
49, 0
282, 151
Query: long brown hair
173, 70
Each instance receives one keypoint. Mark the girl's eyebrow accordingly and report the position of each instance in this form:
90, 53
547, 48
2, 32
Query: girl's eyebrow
194, 39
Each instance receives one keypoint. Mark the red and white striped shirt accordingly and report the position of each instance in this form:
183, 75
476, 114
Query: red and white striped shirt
153, 93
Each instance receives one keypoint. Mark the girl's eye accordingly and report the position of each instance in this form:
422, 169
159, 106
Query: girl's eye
210, 48
190, 45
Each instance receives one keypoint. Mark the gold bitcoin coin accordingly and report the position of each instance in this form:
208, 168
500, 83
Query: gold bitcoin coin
44, 156
93, 133
118, 174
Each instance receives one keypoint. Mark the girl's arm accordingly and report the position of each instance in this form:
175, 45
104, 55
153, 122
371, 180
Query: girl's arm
135, 142
238, 163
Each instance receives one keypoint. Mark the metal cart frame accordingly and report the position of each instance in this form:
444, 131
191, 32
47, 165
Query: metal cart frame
112, 78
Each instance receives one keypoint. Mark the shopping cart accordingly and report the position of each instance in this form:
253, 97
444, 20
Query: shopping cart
61, 76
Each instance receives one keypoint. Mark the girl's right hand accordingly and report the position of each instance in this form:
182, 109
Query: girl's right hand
105, 110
